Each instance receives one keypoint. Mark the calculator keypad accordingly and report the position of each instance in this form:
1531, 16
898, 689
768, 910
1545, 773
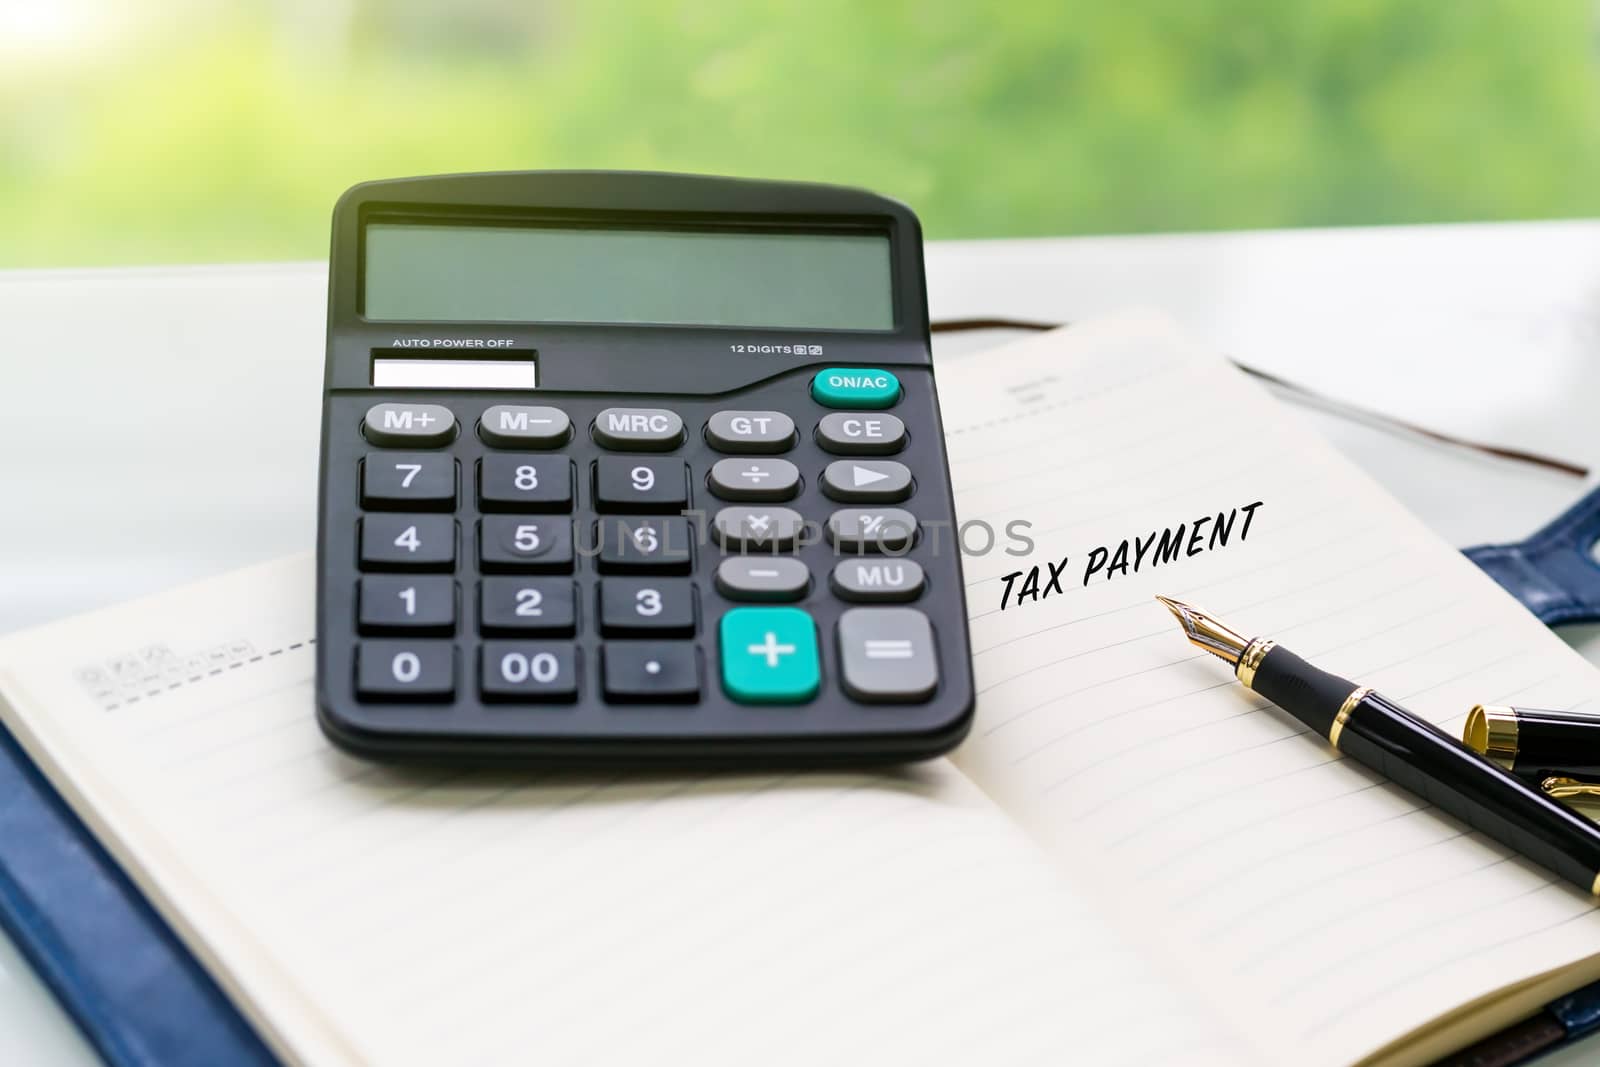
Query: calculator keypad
531, 567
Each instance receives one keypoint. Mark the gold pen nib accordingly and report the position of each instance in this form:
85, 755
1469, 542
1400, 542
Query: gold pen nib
1205, 632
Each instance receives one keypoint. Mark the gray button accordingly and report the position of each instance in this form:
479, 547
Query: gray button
866, 480
638, 429
762, 578
872, 529
887, 655
520, 426
877, 579
750, 431
861, 433
755, 479
760, 529
409, 425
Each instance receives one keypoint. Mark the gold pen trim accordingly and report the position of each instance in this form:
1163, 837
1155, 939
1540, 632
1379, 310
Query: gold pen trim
1254, 653
1594, 886
1567, 788
1491, 730
1349, 705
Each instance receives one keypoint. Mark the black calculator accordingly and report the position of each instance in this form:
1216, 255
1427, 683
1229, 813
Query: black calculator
634, 468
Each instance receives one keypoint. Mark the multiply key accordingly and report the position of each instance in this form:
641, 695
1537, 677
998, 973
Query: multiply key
757, 529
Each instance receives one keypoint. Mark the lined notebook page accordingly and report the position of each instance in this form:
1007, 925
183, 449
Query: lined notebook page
368, 916
1330, 912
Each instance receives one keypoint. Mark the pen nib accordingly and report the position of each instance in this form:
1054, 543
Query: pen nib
1207, 633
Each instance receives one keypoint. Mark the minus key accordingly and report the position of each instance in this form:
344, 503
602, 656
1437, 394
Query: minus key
763, 578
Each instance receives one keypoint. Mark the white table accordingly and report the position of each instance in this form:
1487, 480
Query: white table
160, 425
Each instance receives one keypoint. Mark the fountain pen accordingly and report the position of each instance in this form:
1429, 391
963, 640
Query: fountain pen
1407, 750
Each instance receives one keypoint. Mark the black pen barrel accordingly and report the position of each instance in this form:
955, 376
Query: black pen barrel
1411, 752
1375, 731
1474, 789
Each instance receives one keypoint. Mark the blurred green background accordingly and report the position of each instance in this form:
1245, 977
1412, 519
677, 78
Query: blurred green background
137, 131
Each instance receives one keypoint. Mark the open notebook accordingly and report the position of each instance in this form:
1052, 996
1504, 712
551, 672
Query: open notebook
1132, 860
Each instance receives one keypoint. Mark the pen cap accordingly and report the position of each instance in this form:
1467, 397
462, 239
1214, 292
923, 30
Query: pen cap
1534, 742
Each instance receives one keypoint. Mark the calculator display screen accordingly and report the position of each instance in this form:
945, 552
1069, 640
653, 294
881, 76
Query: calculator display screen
705, 277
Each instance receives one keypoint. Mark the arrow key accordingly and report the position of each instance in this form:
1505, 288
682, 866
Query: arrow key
867, 480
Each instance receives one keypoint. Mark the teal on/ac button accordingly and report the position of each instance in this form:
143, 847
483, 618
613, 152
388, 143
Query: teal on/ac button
769, 655
855, 387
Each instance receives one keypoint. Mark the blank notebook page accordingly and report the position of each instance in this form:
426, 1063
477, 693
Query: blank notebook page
368, 916
1327, 911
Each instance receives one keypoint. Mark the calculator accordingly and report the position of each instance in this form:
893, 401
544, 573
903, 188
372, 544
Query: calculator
634, 468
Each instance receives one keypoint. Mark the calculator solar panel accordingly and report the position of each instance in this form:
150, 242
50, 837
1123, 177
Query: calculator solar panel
634, 468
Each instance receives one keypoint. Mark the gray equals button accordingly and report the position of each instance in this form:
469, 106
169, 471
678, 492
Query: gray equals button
887, 655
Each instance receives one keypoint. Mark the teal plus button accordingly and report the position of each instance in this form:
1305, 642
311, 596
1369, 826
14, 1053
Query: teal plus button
769, 655
855, 387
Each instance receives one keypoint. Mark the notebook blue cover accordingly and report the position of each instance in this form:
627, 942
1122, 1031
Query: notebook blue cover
113, 963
